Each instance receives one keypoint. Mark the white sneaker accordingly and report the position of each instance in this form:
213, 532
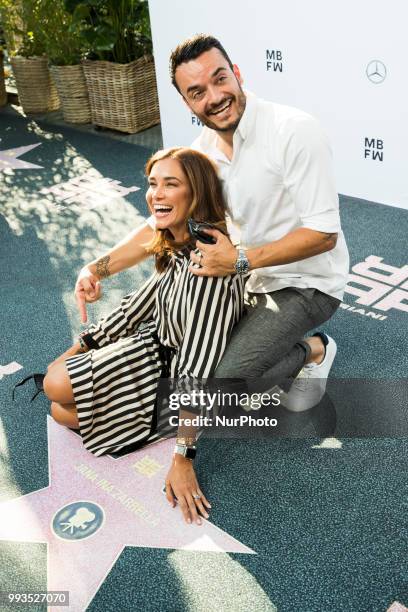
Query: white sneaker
309, 386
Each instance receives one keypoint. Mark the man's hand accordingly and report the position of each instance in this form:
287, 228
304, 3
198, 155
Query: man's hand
87, 289
181, 483
216, 259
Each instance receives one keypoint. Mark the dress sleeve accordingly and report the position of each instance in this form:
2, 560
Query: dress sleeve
215, 305
134, 308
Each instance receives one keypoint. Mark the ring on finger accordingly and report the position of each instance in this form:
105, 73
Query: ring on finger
196, 496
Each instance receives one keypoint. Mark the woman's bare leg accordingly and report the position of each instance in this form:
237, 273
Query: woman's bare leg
57, 384
58, 389
65, 414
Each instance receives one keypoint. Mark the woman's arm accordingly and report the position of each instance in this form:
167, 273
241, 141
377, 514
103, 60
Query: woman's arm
134, 308
215, 306
129, 252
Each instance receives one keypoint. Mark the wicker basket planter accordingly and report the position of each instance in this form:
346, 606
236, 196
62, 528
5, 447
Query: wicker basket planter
123, 96
36, 90
71, 86
3, 93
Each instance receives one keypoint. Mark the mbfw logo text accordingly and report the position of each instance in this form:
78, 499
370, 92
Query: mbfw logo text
195, 121
374, 149
274, 61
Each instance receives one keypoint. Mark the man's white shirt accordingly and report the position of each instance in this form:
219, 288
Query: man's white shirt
281, 178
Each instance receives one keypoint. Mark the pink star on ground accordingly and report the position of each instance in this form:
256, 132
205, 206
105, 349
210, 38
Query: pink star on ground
8, 158
397, 607
135, 513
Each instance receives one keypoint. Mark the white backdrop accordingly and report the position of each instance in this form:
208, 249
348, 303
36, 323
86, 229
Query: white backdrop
327, 49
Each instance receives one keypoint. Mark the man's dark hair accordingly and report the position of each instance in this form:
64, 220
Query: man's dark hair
192, 48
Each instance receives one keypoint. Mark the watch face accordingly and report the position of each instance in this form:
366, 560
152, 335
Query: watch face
190, 453
242, 263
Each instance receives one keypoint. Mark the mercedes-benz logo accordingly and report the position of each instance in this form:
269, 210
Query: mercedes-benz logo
376, 71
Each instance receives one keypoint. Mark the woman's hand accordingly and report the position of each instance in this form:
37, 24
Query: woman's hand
74, 350
87, 289
181, 482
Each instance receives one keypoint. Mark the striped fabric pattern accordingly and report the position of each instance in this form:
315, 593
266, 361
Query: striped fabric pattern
115, 385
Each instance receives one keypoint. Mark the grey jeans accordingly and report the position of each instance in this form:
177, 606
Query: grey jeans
267, 342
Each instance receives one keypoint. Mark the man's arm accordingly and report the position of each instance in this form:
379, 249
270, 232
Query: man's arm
306, 161
295, 246
128, 252
219, 259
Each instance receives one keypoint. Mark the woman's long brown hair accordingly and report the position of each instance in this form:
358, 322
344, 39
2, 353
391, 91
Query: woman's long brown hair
207, 202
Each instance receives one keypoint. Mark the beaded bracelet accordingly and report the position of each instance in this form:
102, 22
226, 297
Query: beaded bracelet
82, 343
86, 341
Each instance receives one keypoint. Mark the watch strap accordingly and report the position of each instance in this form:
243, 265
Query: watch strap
189, 452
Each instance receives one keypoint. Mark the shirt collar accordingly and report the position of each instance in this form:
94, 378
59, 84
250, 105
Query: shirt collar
208, 137
248, 117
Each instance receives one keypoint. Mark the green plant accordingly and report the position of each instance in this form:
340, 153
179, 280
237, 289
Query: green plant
64, 43
23, 22
114, 30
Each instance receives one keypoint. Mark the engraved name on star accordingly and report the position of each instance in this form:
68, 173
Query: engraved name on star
94, 507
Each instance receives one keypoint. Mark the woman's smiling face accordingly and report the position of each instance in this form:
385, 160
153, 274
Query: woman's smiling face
169, 197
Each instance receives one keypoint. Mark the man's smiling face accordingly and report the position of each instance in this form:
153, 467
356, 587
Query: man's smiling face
212, 90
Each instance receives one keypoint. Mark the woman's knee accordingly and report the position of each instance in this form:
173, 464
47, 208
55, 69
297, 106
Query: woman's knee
57, 386
51, 386
55, 412
65, 417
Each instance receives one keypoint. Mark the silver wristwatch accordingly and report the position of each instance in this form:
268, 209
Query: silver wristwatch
189, 452
242, 263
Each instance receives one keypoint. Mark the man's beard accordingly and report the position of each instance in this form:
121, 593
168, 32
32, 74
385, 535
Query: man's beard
240, 100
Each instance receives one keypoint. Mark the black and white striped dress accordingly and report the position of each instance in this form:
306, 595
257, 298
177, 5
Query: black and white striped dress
115, 385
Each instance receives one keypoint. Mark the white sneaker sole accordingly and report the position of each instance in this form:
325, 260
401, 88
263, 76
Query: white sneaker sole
309, 386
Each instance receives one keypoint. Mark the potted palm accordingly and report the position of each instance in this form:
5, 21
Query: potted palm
24, 22
65, 48
119, 70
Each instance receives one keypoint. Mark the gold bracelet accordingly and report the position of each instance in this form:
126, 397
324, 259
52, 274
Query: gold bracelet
186, 441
